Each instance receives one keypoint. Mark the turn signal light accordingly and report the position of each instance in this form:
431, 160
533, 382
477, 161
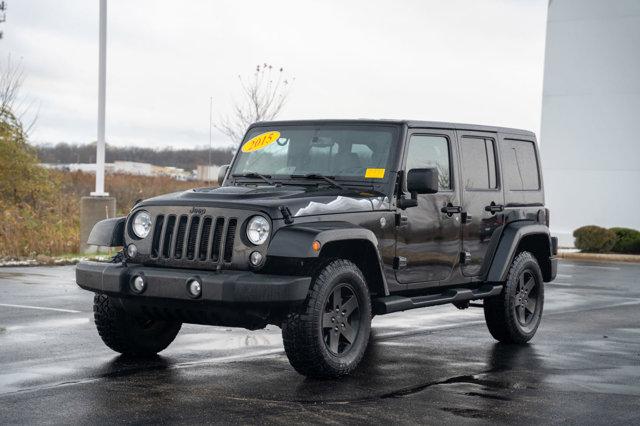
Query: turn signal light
315, 245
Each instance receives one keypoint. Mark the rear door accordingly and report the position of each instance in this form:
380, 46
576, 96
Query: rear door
482, 196
428, 240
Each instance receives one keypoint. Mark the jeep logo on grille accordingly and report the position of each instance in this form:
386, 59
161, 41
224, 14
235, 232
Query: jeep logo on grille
196, 210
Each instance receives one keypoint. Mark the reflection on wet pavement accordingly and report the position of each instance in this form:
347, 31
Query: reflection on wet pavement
428, 365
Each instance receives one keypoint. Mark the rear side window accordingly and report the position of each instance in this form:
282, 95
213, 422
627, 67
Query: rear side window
479, 163
520, 165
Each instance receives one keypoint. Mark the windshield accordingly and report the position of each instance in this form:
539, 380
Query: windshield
350, 152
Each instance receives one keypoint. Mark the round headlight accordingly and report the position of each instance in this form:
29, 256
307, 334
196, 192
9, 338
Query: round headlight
258, 230
141, 224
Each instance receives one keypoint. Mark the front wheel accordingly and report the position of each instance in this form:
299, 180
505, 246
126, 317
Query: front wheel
514, 315
329, 335
128, 334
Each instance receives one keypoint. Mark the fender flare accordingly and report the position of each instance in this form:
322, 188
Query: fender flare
296, 241
108, 232
510, 238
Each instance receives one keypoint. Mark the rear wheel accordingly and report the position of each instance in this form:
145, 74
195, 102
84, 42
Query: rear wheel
328, 336
514, 315
128, 334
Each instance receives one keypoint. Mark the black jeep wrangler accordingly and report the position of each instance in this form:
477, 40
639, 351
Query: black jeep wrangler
320, 225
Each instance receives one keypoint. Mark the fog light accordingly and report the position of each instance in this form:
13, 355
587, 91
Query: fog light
194, 287
138, 284
132, 251
255, 258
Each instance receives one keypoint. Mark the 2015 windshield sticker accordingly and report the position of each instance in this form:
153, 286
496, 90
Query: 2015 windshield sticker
374, 174
260, 141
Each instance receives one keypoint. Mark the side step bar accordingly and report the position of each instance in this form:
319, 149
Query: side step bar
389, 304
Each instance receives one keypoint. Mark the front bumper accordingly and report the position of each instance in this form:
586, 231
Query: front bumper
217, 286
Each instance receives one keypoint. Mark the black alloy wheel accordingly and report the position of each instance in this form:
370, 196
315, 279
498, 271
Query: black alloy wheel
515, 314
341, 319
328, 335
526, 300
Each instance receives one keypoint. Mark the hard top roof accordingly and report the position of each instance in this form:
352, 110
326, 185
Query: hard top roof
408, 123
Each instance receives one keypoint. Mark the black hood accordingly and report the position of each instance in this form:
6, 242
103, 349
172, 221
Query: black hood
301, 200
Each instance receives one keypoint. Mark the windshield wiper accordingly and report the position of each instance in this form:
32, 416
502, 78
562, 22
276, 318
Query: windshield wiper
265, 178
328, 179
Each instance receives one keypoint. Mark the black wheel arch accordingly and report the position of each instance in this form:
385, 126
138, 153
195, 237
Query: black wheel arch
337, 240
108, 232
515, 238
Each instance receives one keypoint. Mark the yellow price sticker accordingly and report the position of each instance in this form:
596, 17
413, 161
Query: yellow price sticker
374, 174
260, 141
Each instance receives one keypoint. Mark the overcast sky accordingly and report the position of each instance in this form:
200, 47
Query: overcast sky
462, 61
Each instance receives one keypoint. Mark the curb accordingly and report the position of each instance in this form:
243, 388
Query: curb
600, 257
50, 261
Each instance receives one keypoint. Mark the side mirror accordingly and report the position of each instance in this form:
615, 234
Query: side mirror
419, 181
422, 181
222, 173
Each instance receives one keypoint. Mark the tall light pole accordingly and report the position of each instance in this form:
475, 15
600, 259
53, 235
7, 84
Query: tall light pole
102, 89
99, 205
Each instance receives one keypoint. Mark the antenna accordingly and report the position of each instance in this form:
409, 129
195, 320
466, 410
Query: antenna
210, 146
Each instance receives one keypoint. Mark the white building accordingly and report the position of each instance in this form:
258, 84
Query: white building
133, 168
126, 167
207, 173
590, 113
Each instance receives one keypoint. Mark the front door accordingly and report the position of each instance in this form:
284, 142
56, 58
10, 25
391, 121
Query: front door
482, 197
428, 240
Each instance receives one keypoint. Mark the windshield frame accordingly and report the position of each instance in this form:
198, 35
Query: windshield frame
378, 184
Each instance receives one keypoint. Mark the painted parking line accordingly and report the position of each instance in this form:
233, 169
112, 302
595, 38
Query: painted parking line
563, 276
40, 308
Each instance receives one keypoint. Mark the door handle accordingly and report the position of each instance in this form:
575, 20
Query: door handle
494, 208
401, 219
450, 209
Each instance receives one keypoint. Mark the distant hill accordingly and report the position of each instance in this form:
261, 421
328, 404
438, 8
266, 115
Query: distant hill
188, 159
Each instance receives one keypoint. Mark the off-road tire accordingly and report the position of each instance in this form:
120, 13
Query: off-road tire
130, 335
304, 335
500, 311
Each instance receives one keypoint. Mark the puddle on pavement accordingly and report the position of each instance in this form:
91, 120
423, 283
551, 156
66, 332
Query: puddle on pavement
5, 275
15, 274
50, 324
465, 412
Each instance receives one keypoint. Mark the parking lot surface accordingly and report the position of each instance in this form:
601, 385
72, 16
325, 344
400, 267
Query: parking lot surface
430, 365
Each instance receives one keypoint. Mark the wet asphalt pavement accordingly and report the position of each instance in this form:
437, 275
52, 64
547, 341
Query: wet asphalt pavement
432, 365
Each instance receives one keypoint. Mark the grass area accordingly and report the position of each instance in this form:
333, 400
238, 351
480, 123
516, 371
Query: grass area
52, 227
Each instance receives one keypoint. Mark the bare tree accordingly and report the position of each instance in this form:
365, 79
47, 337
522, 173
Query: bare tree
3, 15
263, 96
11, 103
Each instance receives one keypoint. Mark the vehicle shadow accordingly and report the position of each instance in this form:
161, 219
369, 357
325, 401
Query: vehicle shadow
124, 365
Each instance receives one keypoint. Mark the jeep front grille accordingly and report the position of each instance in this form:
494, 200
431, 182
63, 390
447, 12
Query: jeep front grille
194, 238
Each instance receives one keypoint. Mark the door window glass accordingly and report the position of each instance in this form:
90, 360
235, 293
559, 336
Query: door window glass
427, 151
478, 163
